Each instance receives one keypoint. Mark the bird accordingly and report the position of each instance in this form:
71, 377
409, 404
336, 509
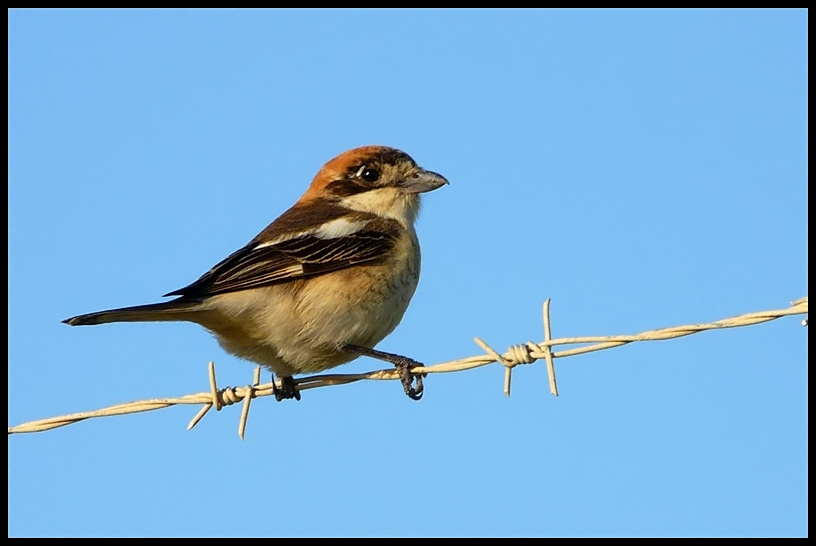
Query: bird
322, 284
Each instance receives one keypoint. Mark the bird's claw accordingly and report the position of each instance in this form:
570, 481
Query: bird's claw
403, 364
404, 367
288, 389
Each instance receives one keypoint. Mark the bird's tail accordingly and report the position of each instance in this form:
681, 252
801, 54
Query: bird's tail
167, 311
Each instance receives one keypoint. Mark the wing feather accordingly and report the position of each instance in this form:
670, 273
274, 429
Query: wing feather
306, 254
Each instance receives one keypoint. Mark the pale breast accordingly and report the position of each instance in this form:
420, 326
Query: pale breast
296, 327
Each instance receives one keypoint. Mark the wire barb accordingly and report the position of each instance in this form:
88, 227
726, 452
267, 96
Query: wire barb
526, 353
250, 394
548, 356
508, 365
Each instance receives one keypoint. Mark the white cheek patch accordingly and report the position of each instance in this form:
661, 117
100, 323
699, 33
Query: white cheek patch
385, 202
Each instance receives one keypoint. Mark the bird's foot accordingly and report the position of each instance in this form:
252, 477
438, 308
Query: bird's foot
288, 389
403, 364
407, 377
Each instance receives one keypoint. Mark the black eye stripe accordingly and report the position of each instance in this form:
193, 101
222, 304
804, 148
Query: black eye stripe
345, 187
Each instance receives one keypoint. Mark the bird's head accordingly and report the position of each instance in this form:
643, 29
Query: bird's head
376, 179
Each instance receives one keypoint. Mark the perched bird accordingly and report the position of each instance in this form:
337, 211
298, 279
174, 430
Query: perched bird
323, 283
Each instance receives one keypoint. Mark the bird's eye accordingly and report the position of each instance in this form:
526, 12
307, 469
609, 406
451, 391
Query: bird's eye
369, 175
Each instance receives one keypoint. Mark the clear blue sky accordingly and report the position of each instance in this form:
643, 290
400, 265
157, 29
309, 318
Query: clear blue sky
643, 169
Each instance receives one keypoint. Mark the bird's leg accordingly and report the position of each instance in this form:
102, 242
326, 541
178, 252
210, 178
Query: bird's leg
288, 389
402, 363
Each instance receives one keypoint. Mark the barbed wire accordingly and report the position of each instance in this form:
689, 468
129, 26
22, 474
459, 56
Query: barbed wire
525, 353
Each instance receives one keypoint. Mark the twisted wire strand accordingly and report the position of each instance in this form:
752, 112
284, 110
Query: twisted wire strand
521, 354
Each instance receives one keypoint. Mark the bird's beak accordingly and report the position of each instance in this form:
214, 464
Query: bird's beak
422, 181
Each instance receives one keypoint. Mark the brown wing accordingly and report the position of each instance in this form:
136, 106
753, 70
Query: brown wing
307, 255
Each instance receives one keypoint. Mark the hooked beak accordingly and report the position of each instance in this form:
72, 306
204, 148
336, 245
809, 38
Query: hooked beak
422, 181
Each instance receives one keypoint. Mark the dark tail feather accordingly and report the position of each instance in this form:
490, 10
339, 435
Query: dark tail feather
168, 311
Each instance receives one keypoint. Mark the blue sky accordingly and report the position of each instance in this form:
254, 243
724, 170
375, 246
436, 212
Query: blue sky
642, 169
